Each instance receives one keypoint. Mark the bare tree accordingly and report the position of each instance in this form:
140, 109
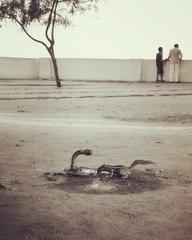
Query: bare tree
47, 12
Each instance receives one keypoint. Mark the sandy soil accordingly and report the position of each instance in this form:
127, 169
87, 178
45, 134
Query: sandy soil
41, 126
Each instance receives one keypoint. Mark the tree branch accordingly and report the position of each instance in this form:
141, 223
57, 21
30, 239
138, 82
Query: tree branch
49, 23
34, 39
53, 23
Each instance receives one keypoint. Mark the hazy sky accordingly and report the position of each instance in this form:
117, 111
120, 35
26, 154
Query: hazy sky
122, 29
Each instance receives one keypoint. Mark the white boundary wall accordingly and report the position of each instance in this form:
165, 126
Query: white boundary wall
19, 68
132, 70
92, 69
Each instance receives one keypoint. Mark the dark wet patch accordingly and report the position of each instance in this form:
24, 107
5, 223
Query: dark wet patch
176, 178
94, 96
184, 118
22, 111
138, 181
175, 94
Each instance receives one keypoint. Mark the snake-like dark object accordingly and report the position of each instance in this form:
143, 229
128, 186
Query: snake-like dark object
111, 170
86, 152
120, 170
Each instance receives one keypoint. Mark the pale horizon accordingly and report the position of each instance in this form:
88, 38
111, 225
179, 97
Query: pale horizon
130, 30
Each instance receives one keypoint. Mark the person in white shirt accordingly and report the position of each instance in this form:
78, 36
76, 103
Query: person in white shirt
175, 57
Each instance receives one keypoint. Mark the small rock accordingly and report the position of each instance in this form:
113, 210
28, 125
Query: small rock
18, 145
15, 182
20, 111
68, 196
2, 187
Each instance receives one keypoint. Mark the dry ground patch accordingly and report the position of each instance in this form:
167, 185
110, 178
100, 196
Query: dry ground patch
41, 126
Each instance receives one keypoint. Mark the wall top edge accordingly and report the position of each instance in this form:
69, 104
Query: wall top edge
76, 58
104, 59
20, 58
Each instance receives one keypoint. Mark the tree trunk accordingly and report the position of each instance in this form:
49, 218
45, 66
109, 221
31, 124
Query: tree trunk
55, 67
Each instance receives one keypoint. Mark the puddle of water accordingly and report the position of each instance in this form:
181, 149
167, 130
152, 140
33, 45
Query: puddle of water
99, 187
138, 181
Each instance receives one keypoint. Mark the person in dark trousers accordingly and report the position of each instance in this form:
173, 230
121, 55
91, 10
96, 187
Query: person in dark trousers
159, 64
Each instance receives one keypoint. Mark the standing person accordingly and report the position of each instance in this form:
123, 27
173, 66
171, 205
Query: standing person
175, 57
159, 64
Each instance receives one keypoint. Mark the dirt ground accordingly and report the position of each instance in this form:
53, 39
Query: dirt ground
41, 126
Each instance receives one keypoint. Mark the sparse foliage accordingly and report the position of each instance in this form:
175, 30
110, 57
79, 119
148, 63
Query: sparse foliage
47, 12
